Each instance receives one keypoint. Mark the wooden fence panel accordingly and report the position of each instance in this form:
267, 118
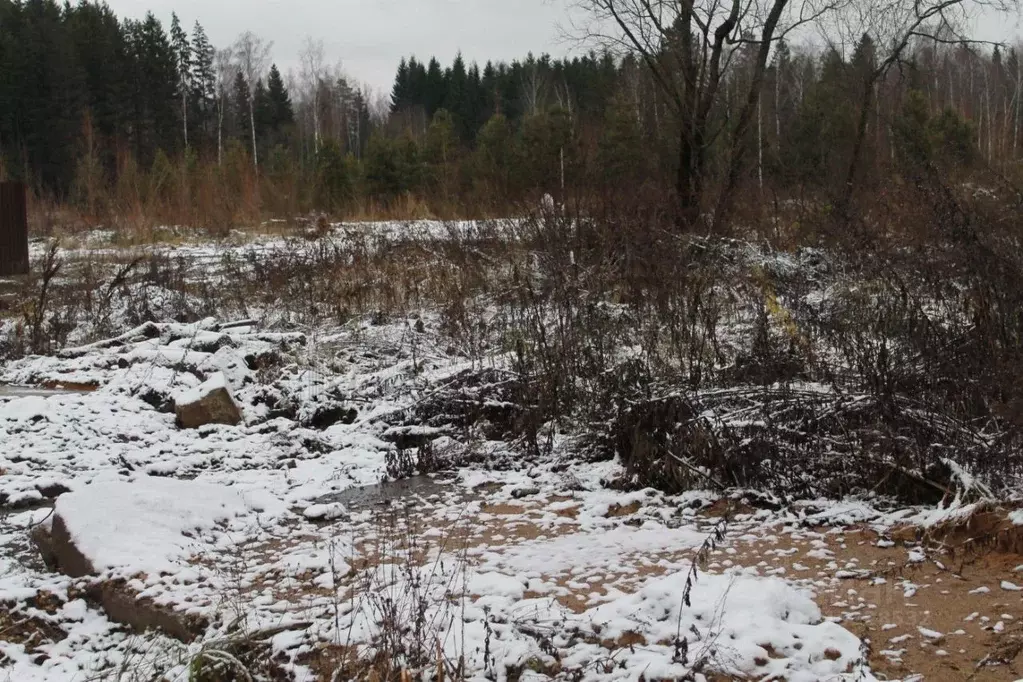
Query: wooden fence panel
13, 229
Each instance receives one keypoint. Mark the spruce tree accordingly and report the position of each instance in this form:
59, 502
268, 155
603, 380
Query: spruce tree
204, 78
441, 153
100, 51
620, 152
335, 181
154, 88
400, 91
457, 100
435, 88
182, 51
263, 112
281, 113
240, 108
45, 95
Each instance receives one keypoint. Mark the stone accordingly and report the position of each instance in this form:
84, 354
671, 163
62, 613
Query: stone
121, 603
209, 403
109, 533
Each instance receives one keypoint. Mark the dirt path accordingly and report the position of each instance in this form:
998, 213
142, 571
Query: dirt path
926, 616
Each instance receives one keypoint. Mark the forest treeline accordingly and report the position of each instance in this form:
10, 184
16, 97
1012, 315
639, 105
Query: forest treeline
118, 117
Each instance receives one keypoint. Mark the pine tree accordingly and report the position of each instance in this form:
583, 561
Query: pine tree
457, 99
182, 50
417, 84
335, 177
400, 91
279, 101
204, 78
546, 142
240, 108
99, 47
620, 153
43, 94
441, 152
494, 155
263, 115
154, 88
475, 103
436, 91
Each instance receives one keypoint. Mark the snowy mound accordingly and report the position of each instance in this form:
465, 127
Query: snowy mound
745, 625
149, 524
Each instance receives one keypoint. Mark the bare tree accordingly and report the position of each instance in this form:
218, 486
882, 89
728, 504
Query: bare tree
534, 86
893, 26
686, 46
226, 70
252, 53
312, 76
1016, 97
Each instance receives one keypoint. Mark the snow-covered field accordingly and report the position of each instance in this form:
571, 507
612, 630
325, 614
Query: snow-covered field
275, 548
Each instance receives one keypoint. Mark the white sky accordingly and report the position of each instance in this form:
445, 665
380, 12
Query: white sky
369, 37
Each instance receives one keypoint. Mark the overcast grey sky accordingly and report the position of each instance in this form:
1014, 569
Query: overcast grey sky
370, 36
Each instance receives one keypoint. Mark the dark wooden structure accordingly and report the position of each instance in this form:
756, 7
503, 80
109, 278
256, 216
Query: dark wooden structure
13, 229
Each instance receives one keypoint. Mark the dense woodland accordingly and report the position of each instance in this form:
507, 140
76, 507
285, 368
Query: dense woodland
121, 117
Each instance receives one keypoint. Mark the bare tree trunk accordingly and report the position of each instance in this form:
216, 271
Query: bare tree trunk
252, 125
760, 144
316, 119
857, 151
746, 113
562, 173
184, 112
252, 54
1015, 127
877, 125
777, 106
987, 104
220, 132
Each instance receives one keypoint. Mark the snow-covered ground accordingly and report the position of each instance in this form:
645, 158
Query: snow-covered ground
243, 528
276, 531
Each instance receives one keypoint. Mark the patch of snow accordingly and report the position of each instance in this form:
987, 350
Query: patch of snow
325, 512
148, 524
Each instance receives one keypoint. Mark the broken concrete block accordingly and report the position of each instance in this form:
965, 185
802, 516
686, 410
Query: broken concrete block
116, 532
208, 403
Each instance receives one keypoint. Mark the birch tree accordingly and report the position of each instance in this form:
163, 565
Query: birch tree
312, 77
252, 53
226, 70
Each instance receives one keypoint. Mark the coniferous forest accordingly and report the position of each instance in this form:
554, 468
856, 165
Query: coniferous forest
113, 117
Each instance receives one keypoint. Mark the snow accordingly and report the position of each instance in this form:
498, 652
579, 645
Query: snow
245, 523
325, 512
147, 525
193, 395
741, 615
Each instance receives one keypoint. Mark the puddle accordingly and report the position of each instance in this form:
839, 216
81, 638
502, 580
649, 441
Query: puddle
406, 491
7, 391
